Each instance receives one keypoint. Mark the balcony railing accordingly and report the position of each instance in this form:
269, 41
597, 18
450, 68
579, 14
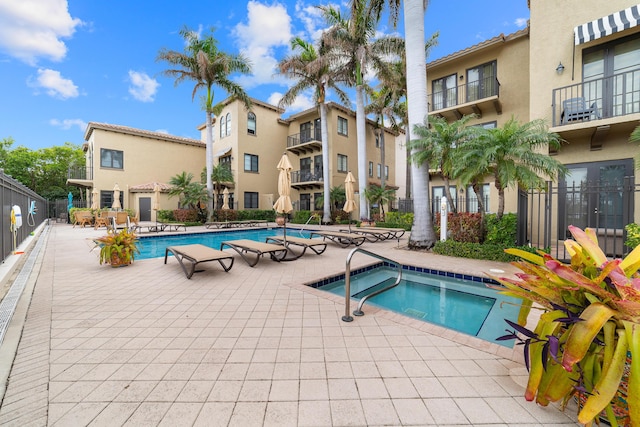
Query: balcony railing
302, 176
80, 172
304, 137
596, 99
465, 93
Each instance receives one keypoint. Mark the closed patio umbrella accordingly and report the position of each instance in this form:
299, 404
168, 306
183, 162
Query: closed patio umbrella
116, 198
95, 200
225, 201
349, 191
283, 204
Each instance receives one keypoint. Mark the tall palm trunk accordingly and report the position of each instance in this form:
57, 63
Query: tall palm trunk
362, 151
447, 193
422, 233
326, 174
209, 166
407, 190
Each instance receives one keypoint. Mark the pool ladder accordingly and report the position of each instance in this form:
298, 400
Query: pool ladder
347, 283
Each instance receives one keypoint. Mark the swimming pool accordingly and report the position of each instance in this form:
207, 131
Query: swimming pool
459, 302
155, 246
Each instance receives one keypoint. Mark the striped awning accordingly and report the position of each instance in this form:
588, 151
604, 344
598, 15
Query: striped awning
607, 25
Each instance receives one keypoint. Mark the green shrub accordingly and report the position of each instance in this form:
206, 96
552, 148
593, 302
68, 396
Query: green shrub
501, 232
165, 216
398, 220
257, 214
484, 251
633, 235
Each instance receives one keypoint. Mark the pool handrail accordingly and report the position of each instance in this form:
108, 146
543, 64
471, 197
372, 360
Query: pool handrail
347, 283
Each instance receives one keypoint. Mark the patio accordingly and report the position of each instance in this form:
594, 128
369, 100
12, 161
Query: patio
143, 345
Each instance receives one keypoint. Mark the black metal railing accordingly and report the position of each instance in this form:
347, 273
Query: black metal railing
596, 99
303, 137
80, 172
469, 92
305, 176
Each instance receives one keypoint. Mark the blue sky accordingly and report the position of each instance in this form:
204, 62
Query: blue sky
66, 63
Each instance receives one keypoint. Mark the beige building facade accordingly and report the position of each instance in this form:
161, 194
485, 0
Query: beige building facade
251, 142
577, 67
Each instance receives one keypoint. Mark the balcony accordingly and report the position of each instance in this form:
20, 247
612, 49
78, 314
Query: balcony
306, 179
307, 141
474, 97
80, 176
597, 103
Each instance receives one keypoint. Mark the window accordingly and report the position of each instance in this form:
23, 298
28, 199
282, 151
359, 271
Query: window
377, 140
445, 92
342, 126
472, 199
305, 202
305, 169
251, 123
611, 78
342, 163
370, 169
106, 198
111, 158
488, 125
220, 201
223, 127
379, 170
482, 81
228, 124
436, 197
250, 163
250, 200
226, 160
305, 132
317, 167
386, 172
318, 200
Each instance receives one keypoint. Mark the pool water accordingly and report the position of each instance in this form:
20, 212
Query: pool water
466, 306
155, 246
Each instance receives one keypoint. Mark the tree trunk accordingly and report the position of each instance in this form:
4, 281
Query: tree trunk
422, 233
209, 166
447, 191
326, 173
407, 190
481, 209
382, 154
361, 138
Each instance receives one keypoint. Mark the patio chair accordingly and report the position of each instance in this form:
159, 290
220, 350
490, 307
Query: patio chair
251, 251
101, 220
371, 234
395, 233
340, 238
318, 246
575, 109
191, 255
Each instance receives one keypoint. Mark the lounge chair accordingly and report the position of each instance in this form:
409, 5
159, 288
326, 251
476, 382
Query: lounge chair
171, 226
340, 238
195, 254
318, 246
219, 224
245, 247
394, 233
371, 234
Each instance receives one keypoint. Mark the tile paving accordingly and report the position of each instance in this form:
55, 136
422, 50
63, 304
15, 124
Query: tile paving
142, 345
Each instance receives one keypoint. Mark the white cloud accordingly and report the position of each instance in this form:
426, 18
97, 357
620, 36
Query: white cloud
267, 30
162, 131
54, 84
143, 88
311, 18
302, 102
521, 22
30, 29
67, 124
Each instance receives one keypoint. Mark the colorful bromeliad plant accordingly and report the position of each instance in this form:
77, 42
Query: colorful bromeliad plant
588, 336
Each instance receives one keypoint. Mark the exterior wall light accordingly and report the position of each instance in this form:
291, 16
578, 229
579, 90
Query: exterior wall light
560, 68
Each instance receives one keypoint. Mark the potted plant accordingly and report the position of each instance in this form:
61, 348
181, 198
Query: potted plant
118, 248
280, 220
588, 335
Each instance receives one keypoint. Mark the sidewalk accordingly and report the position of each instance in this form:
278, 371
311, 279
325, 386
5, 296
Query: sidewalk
142, 345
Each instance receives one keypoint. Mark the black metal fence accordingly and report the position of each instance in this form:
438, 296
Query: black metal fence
13, 193
544, 216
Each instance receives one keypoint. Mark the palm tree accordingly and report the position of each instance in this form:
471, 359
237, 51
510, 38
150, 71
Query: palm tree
311, 70
190, 194
511, 155
381, 106
437, 145
422, 232
206, 65
354, 47
337, 197
380, 195
221, 173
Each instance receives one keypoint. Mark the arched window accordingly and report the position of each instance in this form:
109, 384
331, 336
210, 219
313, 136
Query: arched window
223, 128
251, 123
228, 124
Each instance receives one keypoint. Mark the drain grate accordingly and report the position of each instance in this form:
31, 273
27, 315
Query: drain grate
10, 301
